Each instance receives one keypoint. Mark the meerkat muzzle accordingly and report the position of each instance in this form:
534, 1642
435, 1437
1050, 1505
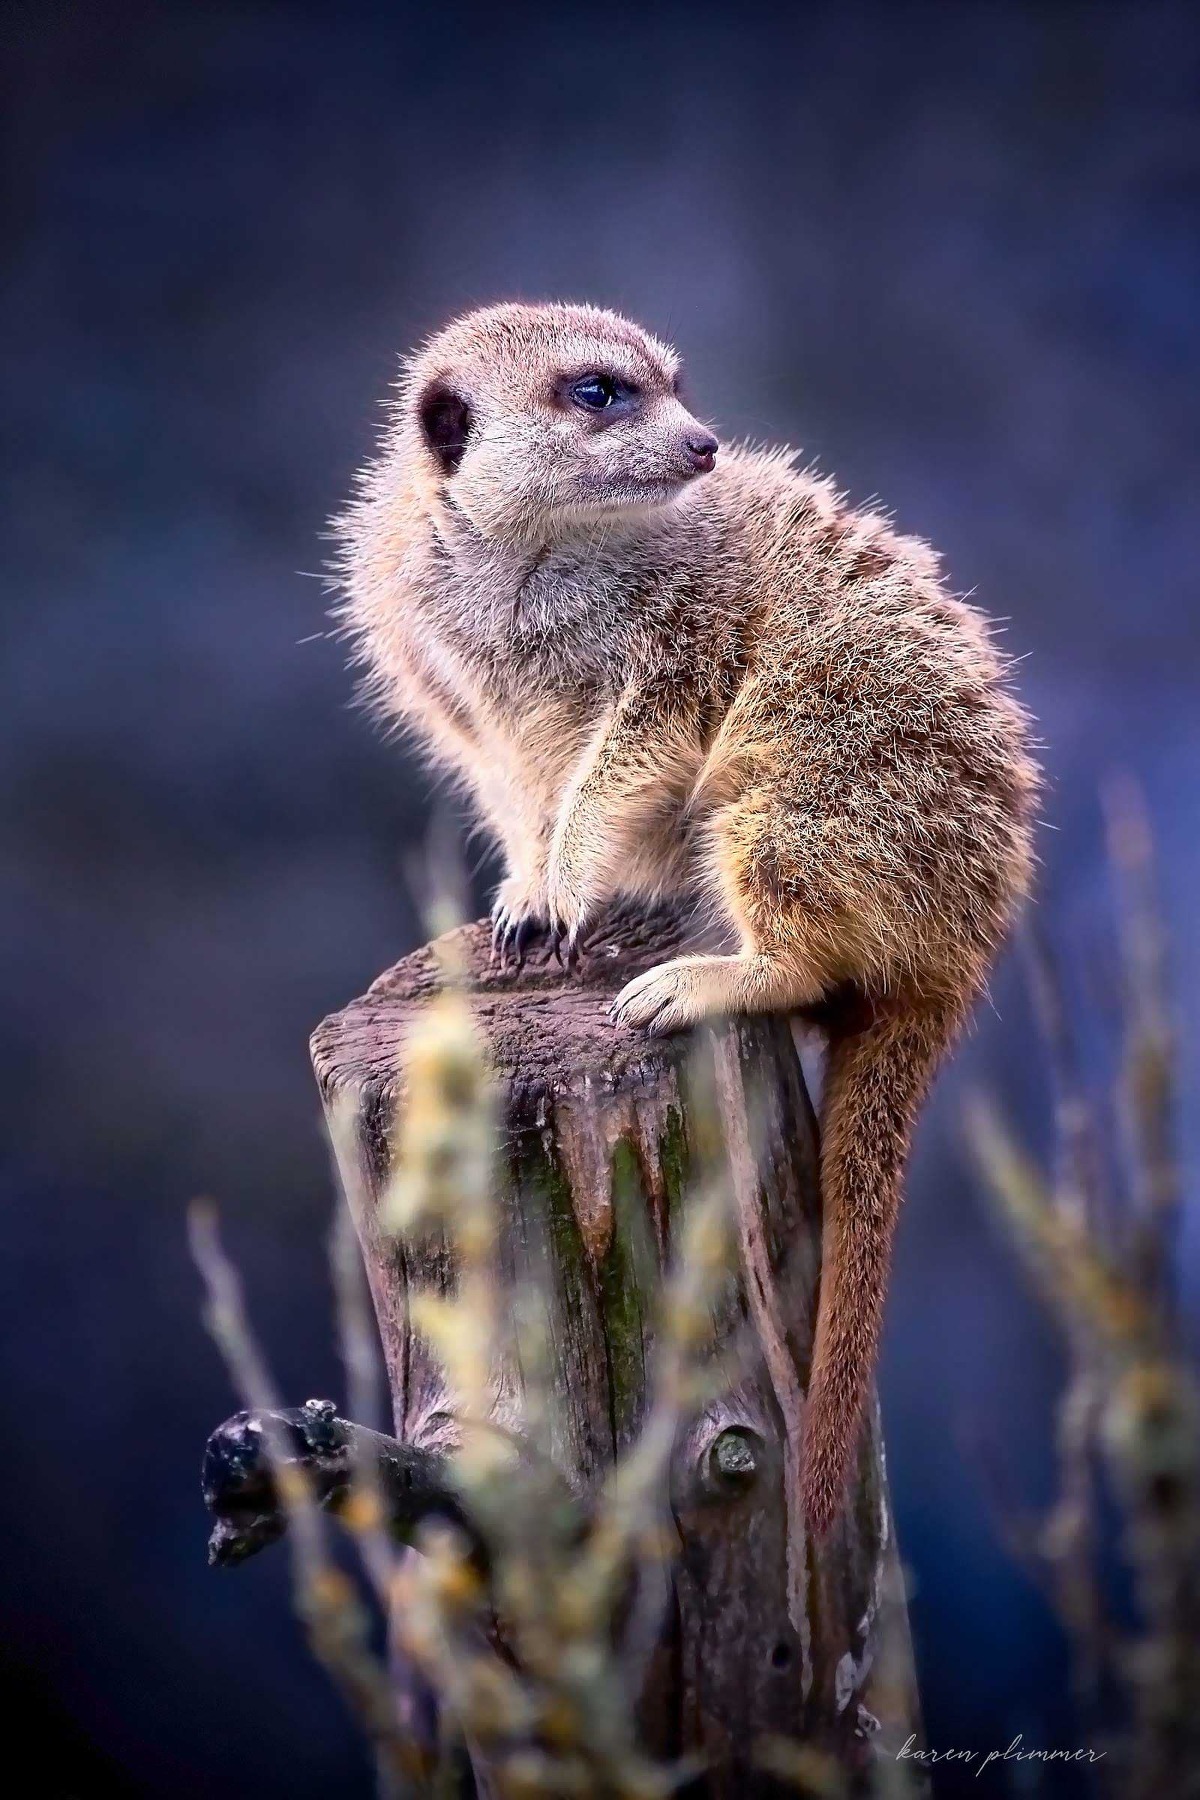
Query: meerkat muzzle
701, 449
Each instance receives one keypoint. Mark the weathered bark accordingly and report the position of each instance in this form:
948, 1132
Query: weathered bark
767, 1633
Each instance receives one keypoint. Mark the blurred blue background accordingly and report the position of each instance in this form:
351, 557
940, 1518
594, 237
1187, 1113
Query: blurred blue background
950, 250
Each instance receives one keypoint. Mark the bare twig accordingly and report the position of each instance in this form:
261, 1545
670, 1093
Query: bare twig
365, 1512
1131, 1396
325, 1599
1069, 1541
1147, 1104
1079, 1166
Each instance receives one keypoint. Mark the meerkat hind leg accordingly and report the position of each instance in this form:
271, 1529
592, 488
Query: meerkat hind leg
676, 994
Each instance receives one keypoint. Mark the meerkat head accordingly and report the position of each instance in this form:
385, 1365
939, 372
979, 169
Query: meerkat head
538, 420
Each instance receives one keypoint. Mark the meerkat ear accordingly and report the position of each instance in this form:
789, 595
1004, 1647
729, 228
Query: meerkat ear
445, 424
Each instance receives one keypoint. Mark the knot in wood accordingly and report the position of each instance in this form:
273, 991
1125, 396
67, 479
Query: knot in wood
733, 1462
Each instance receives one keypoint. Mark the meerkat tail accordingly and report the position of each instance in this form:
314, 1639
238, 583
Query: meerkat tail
875, 1080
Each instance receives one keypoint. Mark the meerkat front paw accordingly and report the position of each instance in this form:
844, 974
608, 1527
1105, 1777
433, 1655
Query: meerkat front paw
681, 993
571, 915
663, 999
520, 914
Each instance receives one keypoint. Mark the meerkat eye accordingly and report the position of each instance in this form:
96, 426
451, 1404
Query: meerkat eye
594, 393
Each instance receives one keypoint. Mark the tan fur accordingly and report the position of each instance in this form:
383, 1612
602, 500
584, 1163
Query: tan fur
735, 687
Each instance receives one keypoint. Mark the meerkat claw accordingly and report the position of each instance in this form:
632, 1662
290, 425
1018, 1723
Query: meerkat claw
568, 946
657, 1001
527, 929
566, 953
512, 933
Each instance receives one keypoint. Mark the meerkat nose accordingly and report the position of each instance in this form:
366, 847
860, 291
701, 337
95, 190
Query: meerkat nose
702, 448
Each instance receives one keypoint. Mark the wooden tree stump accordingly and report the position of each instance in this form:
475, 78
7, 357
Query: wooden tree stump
767, 1634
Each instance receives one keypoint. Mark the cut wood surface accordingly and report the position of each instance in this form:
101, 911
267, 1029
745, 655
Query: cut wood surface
767, 1633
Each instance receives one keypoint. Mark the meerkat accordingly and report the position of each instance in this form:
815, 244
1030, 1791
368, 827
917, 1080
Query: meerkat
664, 668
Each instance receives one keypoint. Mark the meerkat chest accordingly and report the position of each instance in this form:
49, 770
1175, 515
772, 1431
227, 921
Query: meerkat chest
538, 629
